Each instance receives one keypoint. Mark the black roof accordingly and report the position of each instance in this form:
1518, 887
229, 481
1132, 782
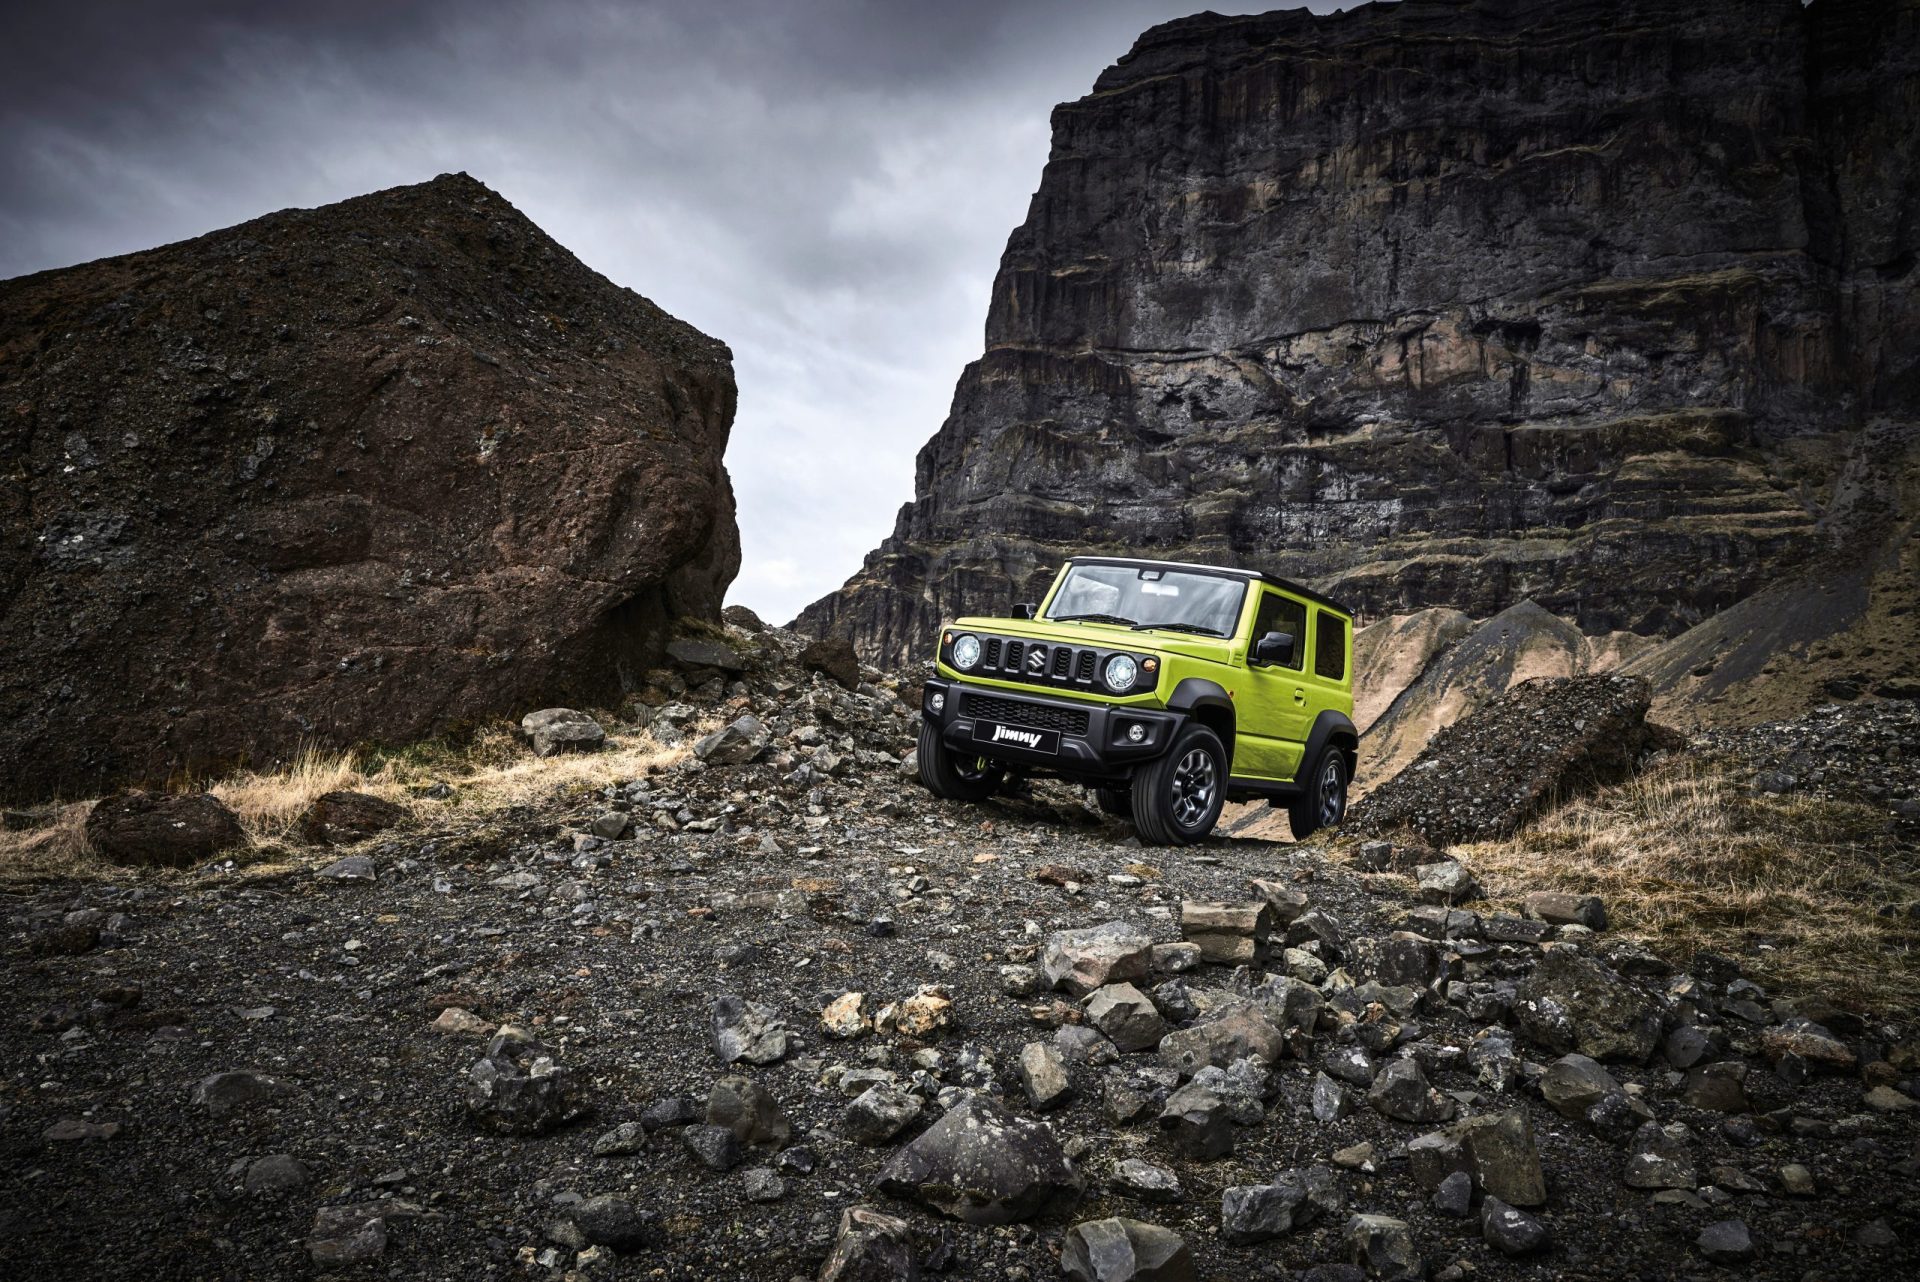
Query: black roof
1286, 585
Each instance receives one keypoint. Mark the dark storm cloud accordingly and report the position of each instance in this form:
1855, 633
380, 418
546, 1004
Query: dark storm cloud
825, 186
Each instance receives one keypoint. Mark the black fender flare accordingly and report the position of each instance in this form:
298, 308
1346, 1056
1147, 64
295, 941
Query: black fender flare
1331, 727
1195, 694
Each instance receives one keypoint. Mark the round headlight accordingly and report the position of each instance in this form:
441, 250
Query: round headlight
966, 652
1121, 670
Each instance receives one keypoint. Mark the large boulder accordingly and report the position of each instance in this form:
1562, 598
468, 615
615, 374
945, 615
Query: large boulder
341, 818
164, 830
1573, 1003
552, 731
1489, 772
364, 472
1122, 1250
983, 1165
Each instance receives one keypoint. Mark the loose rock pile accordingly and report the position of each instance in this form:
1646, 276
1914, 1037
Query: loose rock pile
791, 1018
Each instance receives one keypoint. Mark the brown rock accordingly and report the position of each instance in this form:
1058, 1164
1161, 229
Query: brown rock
361, 472
833, 657
165, 830
341, 818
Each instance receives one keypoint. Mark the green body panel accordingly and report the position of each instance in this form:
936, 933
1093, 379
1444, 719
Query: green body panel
1275, 706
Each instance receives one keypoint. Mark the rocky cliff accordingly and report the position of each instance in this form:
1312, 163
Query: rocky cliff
1445, 302
360, 472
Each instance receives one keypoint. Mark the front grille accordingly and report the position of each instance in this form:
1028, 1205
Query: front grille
1016, 652
1085, 671
1018, 712
993, 652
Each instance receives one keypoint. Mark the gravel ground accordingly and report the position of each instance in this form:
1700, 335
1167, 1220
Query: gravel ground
612, 953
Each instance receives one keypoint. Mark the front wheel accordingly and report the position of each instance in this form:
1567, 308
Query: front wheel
1323, 802
1117, 802
1177, 798
953, 777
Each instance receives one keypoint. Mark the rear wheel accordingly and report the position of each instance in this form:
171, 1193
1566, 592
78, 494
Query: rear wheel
1177, 798
1323, 802
952, 776
1115, 801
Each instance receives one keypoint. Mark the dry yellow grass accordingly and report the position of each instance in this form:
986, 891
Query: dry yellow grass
1687, 859
493, 771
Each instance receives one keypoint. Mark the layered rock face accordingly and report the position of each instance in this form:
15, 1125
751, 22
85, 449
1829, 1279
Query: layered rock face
363, 472
1437, 303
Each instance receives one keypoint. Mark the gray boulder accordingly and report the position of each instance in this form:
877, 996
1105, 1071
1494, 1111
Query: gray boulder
1121, 1250
161, 830
1384, 1246
734, 744
1573, 1003
871, 1246
557, 730
1093, 956
750, 1111
1401, 1091
744, 1030
983, 1165
517, 1088
1127, 1016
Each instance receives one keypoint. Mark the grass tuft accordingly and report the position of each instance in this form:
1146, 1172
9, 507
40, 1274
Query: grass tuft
1687, 859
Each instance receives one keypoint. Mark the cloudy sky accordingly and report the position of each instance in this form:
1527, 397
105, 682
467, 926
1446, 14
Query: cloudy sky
825, 185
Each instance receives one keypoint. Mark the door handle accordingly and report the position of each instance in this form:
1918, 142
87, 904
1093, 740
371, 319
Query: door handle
1299, 695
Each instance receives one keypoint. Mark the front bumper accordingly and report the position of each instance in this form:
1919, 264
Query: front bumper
1078, 739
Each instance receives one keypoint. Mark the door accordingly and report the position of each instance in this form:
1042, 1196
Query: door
1328, 682
1273, 712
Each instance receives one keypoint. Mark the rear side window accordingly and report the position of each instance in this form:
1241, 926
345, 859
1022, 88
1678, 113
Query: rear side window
1329, 646
1281, 614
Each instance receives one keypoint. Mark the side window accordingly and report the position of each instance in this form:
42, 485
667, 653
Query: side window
1329, 645
1282, 614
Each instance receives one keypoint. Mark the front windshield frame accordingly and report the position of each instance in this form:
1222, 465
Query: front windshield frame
1221, 612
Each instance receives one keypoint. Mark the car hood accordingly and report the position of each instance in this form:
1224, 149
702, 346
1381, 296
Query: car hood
1108, 635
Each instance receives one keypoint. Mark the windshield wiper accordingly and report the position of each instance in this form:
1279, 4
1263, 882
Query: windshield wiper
1091, 618
1194, 628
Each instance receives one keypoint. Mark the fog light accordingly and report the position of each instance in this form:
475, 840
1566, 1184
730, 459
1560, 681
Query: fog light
938, 703
1136, 732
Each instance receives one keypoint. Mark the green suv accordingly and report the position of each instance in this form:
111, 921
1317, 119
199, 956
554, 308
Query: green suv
1169, 689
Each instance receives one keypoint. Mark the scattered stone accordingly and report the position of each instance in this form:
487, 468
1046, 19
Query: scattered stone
1251, 1213
1455, 1195
349, 868
1885, 1099
276, 1173
347, 1234
744, 1030
878, 1114
611, 825
223, 1094
1661, 1157
1717, 1088
1800, 1037
557, 730
161, 830
1727, 1242
871, 1246
1687, 1046
704, 652
1238, 1034
750, 1111
1127, 1016
1447, 882
460, 1022
1571, 1002
623, 1140
1401, 1091
1573, 1084
1176, 958
1511, 1231
1121, 1250
1093, 956
1145, 1181
612, 1222
1229, 934
342, 818
834, 658
927, 1013
716, 1147
762, 1184
1044, 1076
675, 1110
981, 1164
734, 744
68, 1130
1385, 1247
1566, 910
1330, 1101
1796, 1180
846, 1016
516, 1088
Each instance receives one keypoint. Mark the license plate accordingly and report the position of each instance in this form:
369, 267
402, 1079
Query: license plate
994, 734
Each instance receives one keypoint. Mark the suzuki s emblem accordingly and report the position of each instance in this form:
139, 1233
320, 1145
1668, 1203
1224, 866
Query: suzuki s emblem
1037, 660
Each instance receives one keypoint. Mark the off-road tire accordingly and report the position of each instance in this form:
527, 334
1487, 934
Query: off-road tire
1177, 797
1322, 803
950, 776
1117, 802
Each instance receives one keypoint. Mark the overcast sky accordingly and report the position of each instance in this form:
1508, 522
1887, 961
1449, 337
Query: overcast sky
825, 185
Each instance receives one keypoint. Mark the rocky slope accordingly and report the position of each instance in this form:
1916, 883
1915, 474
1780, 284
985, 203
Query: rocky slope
361, 472
679, 1027
1454, 304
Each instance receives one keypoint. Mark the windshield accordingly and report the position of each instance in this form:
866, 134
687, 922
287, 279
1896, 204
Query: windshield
1149, 597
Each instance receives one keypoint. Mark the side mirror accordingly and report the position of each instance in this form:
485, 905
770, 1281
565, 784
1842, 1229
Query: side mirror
1275, 647
1025, 609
